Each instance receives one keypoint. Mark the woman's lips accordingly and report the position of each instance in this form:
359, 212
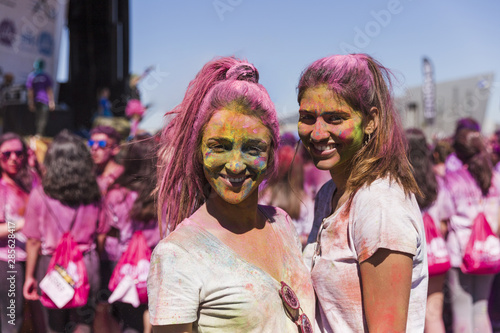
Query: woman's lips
323, 149
234, 181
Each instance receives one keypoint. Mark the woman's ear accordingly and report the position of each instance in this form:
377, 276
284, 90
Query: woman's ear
372, 121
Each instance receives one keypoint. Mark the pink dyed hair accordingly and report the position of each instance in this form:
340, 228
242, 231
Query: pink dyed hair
364, 83
221, 83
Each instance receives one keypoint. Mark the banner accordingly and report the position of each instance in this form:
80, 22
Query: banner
429, 92
30, 29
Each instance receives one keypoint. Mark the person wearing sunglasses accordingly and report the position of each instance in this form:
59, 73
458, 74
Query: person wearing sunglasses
16, 183
227, 263
369, 267
104, 146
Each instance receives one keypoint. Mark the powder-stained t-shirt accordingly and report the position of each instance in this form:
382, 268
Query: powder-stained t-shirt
47, 220
196, 278
381, 216
116, 214
13, 202
466, 201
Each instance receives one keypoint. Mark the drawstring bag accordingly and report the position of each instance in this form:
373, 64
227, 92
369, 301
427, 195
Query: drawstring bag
66, 283
129, 279
438, 259
482, 252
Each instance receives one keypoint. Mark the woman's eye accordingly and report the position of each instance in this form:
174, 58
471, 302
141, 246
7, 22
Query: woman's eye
254, 151
333, 119
217, 148
307, 119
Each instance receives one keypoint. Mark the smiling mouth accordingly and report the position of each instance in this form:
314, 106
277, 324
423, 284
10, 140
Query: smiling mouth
323, 149
234, 181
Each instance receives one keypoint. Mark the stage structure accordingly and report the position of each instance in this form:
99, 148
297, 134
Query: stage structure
467, 97
98, 33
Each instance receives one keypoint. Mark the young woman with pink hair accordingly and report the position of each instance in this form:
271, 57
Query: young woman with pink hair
369, 266
227, 264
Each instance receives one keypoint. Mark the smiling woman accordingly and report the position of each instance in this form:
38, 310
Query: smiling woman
369, 269
225, 260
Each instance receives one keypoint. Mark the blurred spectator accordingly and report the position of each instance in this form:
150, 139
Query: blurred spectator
287, 191
134, 112
430, 202
129, 207
40, 95
104, 145
16, 183
69, 200
442, 149
8, 80
454, 162
471, 189
103, 103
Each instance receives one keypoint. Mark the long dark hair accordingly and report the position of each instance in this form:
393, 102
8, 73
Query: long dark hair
24, 178
139, 175
471, 149
69, 175
420, 158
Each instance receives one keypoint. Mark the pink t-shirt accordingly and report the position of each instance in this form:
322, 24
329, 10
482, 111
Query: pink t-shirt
13, 202
117, 205
381, 216
465, 202
48, 219
196, 278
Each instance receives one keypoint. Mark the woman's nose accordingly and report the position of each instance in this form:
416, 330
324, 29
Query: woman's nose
235, 164
320, 130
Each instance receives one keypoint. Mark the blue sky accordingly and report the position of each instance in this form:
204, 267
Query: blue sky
282, 37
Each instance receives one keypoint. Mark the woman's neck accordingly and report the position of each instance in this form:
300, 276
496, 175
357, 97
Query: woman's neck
6, 178
236, 218
340, 179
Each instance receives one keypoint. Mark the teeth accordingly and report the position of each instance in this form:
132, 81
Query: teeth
324, 147
234, 180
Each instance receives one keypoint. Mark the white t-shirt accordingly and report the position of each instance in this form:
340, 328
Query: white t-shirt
381, 216
196, 278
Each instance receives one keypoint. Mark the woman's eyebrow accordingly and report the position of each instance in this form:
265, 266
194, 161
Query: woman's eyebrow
256, 142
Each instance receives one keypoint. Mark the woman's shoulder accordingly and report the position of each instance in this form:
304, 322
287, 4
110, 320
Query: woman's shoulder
276, 215
325, 193
186, 235
383, 185
37, 193
382, 190
118, 194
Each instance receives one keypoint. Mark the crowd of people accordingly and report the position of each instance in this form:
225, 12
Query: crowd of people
246, 229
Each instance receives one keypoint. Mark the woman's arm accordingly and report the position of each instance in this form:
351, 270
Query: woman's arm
30, 285
386, 285
5, 228
180, 328
101, 239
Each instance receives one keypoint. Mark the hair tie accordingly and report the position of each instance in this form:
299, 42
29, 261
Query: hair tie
243, 72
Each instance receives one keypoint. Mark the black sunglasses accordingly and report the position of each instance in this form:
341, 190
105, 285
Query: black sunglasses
7, 154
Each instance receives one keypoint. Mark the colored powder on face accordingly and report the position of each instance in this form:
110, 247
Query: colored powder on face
234, 144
